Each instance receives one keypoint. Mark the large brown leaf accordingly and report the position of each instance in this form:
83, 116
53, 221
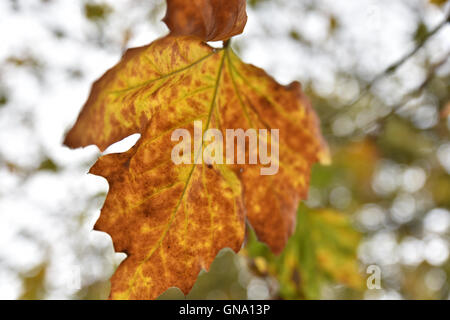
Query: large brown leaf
210, 20
172, 220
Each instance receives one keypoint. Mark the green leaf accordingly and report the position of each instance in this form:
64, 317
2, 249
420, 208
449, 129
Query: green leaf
322, 250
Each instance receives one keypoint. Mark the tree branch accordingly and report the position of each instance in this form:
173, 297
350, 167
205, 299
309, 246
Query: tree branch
392, 68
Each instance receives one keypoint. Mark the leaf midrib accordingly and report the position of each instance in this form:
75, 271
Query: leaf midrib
213, 100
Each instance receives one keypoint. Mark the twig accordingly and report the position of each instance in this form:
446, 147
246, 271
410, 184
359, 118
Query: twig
413, 94
392, 68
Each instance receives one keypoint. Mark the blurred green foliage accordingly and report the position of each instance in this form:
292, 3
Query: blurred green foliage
322, 250
97, 12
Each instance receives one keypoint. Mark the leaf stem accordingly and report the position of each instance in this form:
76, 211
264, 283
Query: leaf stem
226, 44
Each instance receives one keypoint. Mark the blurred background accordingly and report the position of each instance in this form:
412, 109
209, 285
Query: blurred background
378, 73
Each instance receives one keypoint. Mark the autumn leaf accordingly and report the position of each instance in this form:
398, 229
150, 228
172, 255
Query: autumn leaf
210, 20
171, 220
322, 250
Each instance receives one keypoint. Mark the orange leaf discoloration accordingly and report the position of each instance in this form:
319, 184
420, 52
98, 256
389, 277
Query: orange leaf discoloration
171, 219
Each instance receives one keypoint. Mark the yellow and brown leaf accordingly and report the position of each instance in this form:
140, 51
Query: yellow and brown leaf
172, 220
